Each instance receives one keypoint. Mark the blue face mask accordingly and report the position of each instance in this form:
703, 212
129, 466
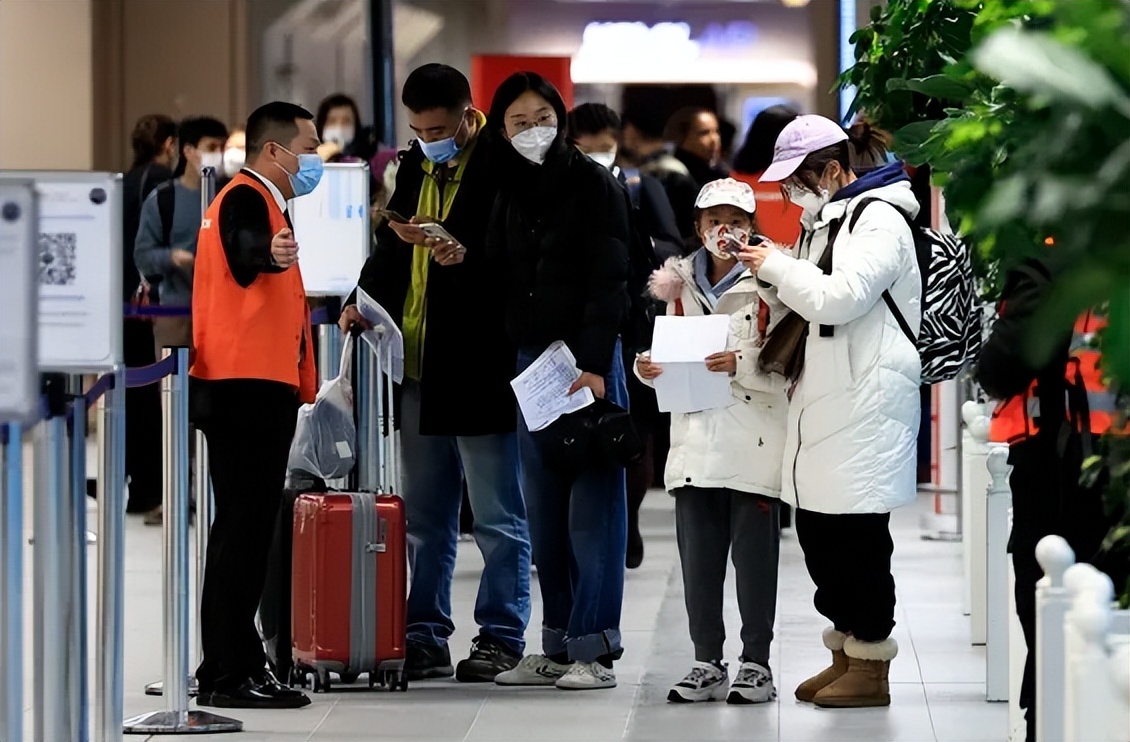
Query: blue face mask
445, 149
309, 173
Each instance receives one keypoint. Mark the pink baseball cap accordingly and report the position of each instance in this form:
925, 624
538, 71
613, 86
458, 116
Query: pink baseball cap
803, 136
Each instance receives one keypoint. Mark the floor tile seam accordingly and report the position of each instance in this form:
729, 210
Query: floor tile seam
323, 720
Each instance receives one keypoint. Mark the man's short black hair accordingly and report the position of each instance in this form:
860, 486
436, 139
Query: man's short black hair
588, 119
436, 86
274, 122
647, 121
195, 128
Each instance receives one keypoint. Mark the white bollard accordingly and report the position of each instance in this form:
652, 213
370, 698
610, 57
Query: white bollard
1093, 712
975, 482
1052, 602
999, 502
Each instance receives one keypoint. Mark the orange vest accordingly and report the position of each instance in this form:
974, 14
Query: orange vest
258, 332
1018, 418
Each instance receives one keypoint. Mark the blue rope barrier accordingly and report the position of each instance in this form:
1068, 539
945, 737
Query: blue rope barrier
146, 375
319, 316
130, 311
103, 385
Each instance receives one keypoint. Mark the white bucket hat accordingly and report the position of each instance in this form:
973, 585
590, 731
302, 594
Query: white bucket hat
726, 192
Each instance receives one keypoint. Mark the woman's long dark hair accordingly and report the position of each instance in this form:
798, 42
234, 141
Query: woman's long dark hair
863, 141
337, 100
756, 153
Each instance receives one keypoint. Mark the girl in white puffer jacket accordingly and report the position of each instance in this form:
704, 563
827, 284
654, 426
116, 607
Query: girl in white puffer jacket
724, 466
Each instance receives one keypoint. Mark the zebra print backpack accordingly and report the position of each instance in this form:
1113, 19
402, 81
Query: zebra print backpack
952, 313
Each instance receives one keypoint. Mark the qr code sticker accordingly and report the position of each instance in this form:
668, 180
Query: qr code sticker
57, 259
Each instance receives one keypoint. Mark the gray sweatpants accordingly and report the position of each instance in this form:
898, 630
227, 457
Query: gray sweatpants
711, 522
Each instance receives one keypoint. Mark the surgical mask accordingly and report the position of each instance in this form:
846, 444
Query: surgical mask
234, 158
308, 176
605, 159
718, 239
445, 150
214, 160
534, 144
339, 135
810, 202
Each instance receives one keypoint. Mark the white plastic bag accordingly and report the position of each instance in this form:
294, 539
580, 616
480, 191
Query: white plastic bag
325, 438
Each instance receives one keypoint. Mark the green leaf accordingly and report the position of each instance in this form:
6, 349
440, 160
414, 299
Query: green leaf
938, 86
912, 136
1037, 64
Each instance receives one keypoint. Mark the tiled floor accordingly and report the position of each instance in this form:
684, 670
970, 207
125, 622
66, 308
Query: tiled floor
937, 681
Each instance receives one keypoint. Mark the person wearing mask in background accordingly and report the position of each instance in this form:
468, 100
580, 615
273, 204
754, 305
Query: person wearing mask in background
154, 159
853, 413
235, 155
777, 217
560, 234
724, 469
165, 247
457, 409
642, 146
698, 143
1049, 435
594, 127
253, 366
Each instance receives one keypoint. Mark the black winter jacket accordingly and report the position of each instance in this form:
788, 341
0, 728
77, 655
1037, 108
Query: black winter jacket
468, 361
560, 232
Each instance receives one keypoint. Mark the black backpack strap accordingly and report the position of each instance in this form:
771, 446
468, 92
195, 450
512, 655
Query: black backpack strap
890, 300
166, 202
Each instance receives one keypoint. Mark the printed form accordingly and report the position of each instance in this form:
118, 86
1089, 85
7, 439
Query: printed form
543, 388
680, 346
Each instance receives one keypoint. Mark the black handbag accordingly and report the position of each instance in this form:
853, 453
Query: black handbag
601, 434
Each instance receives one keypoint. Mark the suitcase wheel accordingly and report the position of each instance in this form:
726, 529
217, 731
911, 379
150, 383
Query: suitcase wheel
322, 681
297, 678
349, 678
394, 680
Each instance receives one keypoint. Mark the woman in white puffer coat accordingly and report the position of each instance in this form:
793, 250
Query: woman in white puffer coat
850, 456
724, 466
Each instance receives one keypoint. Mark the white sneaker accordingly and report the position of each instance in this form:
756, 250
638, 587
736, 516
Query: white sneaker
534, 669
754, 684
587, 676
705, 682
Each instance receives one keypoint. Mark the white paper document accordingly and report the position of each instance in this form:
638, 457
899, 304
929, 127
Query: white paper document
542, 389
384, 333
680, 345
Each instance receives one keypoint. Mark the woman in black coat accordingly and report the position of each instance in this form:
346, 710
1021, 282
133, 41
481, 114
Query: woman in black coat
560, 233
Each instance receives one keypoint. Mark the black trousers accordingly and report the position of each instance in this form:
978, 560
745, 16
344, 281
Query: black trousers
249, 426
1047, 499
143, 422
849, 559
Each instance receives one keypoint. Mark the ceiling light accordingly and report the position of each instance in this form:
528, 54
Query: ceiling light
794, 3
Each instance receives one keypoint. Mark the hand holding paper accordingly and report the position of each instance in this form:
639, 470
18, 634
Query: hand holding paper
542, 389
682, 345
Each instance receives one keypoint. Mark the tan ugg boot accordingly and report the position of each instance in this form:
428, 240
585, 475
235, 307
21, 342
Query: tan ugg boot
833, 640
864, 685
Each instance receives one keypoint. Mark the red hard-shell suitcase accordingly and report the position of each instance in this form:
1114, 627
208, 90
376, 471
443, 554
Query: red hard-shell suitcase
349, 568
350, 588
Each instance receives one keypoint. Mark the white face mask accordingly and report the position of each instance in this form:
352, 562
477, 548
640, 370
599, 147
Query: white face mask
534, 144
213, 160
339, 135
605, 159
234, 159
812, 203
718, 239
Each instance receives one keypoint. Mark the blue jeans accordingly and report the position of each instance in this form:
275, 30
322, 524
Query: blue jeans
433, 471
578, 527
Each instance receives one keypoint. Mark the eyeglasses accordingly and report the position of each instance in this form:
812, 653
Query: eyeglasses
549, 119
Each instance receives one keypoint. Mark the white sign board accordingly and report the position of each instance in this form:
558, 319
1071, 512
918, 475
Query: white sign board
80, 270
331, 226
19, 372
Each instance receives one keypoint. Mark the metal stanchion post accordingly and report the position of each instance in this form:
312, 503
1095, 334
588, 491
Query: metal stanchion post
176, 718
52, 581
109, 689
76, 540
203, 485
11, 585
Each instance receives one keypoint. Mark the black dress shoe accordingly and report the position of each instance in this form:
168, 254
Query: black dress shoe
262, 693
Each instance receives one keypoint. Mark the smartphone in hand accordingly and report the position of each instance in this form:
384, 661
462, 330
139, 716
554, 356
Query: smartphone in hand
734, 246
